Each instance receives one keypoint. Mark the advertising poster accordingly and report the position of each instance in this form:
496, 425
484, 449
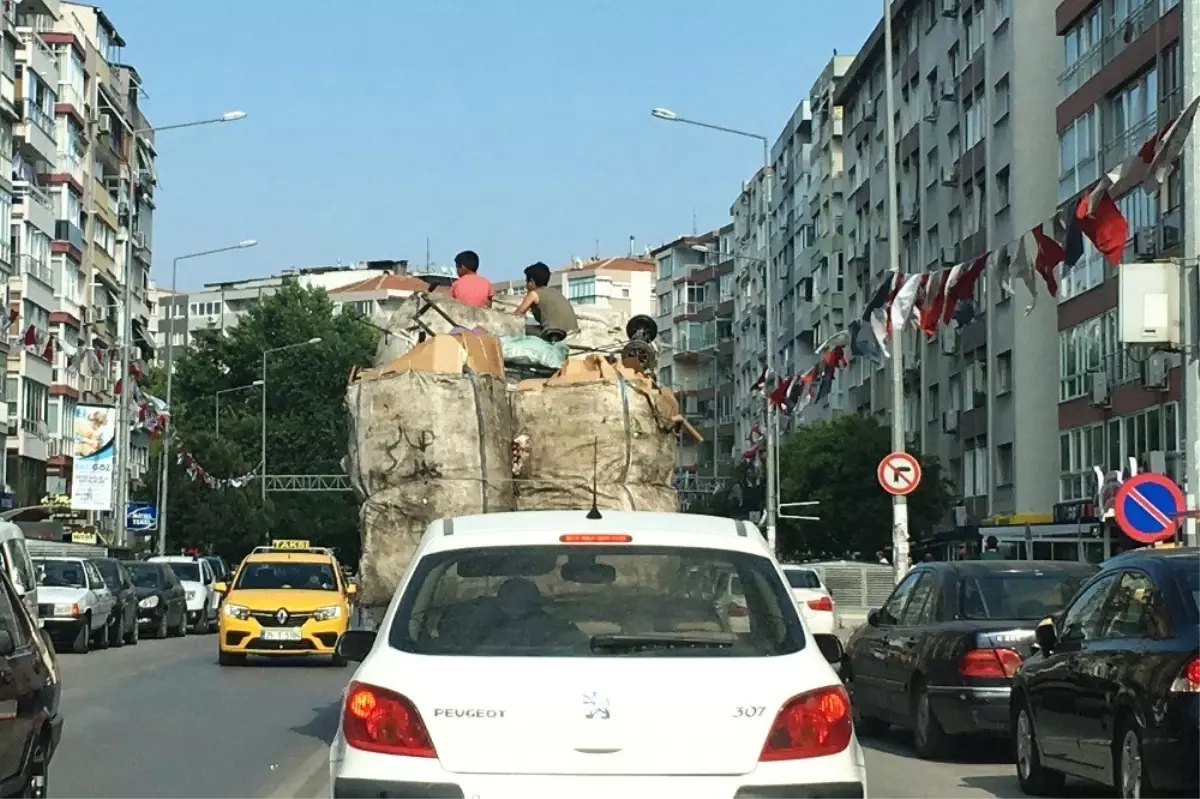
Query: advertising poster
95, 451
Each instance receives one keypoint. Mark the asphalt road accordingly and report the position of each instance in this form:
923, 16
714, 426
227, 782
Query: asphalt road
163, 720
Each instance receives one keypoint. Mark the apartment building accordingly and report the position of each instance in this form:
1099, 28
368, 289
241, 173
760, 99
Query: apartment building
1122, 81
694, 311
748, 248
623, 285
792, 234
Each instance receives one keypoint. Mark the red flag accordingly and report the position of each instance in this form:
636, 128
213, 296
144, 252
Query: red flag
30, 337
119, 387
1105, 227
964, 287
898, 282
1049, 255
779, 393
48, 353
935, 302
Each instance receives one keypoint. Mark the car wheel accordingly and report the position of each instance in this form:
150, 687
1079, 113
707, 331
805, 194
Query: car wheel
83, 639
930, 739
102, 637
134, 634
161, 630
1129, 766
863, 724
39, 770
1035, 779
230, 658
181, 630
201, 625
116, 633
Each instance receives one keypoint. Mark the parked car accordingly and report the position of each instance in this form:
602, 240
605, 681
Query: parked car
74, 602
14, 556
123, 621
221, 574
30, 722
813, 598
197, 578
162, 601
939, 656
1112, 694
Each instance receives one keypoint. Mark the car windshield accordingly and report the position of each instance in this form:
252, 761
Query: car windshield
144, 575
108, 570
280, 574
802, 578
563, 601
1017, 595
54, 573
186, 570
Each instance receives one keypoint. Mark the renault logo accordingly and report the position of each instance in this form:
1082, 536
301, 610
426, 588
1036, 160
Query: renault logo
281, 616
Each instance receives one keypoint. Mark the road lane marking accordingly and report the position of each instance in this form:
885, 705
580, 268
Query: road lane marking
291, 787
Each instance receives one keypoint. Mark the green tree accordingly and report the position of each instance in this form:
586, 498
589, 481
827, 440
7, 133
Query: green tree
835, 462
307, 424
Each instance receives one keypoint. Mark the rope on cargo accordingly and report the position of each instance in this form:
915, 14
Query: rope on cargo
483, 461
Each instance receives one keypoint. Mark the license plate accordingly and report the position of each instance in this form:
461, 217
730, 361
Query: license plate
292, 634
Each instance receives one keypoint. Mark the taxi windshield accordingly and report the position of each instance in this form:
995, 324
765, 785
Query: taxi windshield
274, 574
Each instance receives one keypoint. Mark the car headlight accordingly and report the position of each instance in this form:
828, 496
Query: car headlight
325, 614
237, 611
191, 594
67, 609
149, 602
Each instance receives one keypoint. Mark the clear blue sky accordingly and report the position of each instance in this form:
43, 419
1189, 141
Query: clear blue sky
518, 128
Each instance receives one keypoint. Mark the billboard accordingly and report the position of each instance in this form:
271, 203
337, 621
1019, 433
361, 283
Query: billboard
95, 451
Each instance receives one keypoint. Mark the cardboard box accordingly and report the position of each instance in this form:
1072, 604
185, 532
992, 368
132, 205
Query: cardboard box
446, 353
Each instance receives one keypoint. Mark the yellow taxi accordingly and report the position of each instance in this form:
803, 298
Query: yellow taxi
286, 599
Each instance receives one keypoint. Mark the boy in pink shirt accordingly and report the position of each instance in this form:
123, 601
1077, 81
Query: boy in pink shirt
471, 288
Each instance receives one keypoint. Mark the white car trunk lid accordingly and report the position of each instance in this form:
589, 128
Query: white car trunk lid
604, 715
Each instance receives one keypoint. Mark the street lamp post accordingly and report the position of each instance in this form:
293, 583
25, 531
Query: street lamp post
668, 115
164, 483
217, 402
262, 479
123, 447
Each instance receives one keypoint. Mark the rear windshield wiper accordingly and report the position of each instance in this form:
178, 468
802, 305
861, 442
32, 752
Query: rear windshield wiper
642, 643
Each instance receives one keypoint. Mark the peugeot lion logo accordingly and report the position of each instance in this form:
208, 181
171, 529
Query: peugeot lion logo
595, 706
281, 616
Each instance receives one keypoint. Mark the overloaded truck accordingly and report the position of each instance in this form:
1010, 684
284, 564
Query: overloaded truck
465, 413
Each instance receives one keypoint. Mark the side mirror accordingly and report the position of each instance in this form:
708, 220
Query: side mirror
873, 617
355, 645
831, 648
1046, 636
7, 647
221, 587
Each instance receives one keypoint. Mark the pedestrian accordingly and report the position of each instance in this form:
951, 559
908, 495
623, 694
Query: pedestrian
928, 558
883, 561
549, 307
991, 549
471, 288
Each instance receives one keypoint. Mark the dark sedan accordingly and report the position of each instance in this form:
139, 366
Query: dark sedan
162, 601
123, 621
939, 656
1113, 693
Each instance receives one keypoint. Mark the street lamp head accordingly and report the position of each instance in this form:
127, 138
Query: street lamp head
247, 243
316, 340
233, 116
257, 383
701, 248
664, 113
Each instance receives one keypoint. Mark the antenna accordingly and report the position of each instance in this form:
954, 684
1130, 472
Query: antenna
594, 513
428, 262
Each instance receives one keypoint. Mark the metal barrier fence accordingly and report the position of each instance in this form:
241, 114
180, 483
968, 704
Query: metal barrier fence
855, 586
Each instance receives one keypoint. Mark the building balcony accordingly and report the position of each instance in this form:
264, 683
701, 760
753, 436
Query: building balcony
61, 447
32, 205
37, 284
70, 233
72, 165
48, 8
35, 133
8, 99
35, 54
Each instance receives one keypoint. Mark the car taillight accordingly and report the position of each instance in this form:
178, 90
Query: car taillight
813, 724
737, 610
824, 603
989, 663
1188, 681
378, 720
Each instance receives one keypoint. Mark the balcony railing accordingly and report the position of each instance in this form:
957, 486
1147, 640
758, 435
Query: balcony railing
69, 232
37, 269
35, 114
68, 94
21, 191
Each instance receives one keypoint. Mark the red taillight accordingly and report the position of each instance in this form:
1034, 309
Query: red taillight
824, 603
989, 663
735, 609
814, 724
1188, 681
378, 720
595, 538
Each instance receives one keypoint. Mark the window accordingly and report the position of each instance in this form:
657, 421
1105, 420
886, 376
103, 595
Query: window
582, 290
1004, 465
1082, 619
1136, 609
1004, 372
892, 610
16, 555
974, 34
1000, 100
975, 472
12, 618
1017, 595
1081, 51
35, 403
1077, 149
920, 604
104, 236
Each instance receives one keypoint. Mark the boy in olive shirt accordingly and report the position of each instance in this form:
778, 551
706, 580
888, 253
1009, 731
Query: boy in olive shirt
549, 307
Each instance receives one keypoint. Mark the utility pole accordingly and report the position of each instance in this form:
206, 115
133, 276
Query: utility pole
1189, 173
899, 503
124, 455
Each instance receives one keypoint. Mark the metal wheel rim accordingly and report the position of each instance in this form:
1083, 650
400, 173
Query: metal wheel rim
1024, 745
1131, 767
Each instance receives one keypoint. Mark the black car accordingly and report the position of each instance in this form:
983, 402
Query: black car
939, 656
30, 722
123, 621
162, 603
1113, 693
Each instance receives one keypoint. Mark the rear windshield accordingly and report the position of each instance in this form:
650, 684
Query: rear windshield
186, 570
802, 578
1189, 575
60, 573
108, 570
1017, 596
309, 576
595, 601
144, 575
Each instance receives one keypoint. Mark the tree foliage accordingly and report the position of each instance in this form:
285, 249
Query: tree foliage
835, 462
307, 427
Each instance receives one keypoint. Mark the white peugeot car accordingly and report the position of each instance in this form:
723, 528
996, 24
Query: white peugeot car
198, 580
813, 598
546, 654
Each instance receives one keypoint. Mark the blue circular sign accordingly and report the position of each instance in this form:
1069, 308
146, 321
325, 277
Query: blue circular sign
1149, 507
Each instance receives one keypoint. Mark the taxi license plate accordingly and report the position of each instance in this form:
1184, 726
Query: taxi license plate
292, 634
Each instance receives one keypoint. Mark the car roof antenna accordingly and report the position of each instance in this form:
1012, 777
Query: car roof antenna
594, 513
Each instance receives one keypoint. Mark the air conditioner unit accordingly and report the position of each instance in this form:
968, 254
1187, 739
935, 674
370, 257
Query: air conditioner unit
1097, 389
949, 91
950, 176
104, 124
932, 114
214, 319
950, 8
1145, 242
1154, 372
949, 421
139, 240
948, 338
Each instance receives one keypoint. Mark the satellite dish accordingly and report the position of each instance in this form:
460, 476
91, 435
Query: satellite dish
577, 262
